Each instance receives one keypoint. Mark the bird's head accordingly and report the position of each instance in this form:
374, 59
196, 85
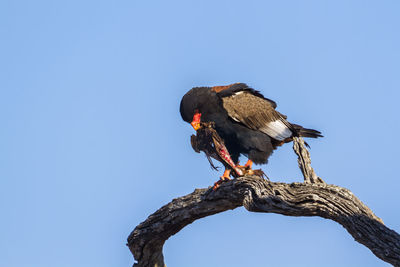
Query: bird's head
197, 104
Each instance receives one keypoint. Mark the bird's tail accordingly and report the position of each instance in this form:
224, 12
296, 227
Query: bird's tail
304, 132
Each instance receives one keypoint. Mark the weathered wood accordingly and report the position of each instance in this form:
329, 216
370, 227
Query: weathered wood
304, 160
259, 195
311, 198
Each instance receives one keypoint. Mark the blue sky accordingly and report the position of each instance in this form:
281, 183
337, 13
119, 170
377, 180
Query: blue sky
92, 141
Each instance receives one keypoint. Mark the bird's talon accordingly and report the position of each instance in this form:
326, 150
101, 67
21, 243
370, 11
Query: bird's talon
217, 184
223, 178
246, 166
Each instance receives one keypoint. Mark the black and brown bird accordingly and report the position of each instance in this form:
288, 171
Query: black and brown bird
246, 121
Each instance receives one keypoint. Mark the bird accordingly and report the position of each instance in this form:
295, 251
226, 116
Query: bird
246, 121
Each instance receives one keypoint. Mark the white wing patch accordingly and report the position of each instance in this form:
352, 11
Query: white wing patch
238, 93
235, 119
277, 130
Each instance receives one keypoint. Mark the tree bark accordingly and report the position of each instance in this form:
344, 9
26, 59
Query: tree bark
311, 198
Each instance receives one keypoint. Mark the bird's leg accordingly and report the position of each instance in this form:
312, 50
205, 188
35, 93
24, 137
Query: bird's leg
246, 166
247, 170
223, 178
226, 175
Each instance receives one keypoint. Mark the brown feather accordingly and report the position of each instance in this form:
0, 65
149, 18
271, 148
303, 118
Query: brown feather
253, 111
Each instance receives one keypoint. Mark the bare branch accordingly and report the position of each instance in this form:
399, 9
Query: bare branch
304, 160
259, 195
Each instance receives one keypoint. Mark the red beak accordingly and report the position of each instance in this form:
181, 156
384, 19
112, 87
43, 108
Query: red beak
196, 121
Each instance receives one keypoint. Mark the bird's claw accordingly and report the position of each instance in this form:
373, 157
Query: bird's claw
220, 181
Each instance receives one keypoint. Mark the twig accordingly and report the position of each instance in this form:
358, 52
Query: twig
304, 160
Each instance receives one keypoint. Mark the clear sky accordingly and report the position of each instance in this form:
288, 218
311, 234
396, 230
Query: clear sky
92, 141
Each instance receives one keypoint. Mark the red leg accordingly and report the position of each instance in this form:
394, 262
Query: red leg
224, 177
249, 163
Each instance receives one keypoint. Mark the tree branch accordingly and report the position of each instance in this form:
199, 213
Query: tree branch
304, 160
312, 198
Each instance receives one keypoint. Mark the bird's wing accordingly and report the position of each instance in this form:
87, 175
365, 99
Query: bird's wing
229, 90
249, 107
